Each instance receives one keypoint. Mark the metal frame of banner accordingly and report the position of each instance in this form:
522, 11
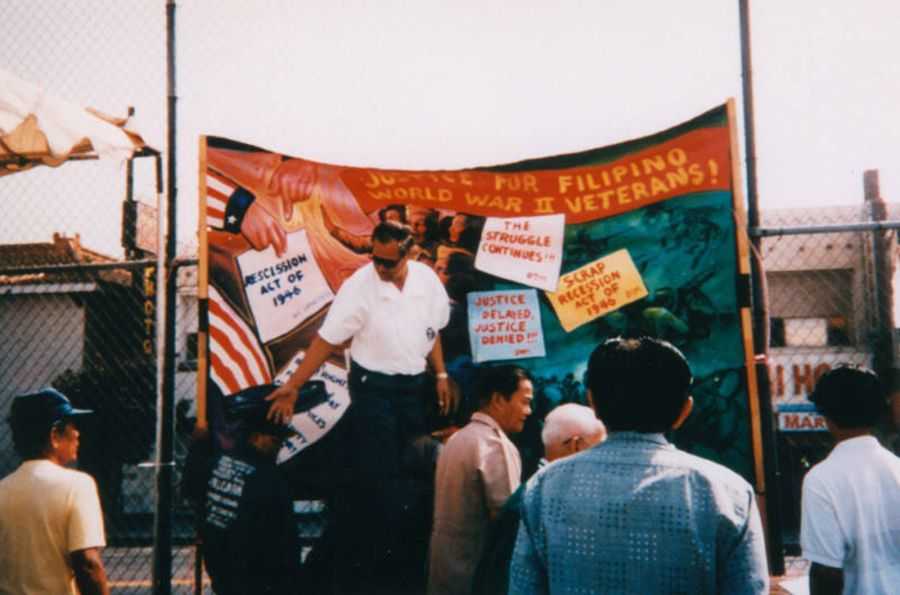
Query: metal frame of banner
201, 428
202, 293
757, 428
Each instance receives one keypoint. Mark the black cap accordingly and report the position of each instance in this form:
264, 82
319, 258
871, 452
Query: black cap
250, 407
42, 408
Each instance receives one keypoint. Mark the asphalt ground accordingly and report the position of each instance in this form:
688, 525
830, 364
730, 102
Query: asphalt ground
129, 570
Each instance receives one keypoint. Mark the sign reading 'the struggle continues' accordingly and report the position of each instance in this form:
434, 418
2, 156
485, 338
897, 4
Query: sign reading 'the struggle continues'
527, 250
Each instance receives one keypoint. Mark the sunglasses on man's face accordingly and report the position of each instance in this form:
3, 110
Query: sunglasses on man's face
385, 263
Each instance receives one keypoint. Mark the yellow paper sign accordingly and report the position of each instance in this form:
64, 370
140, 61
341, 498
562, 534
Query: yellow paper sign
596, 289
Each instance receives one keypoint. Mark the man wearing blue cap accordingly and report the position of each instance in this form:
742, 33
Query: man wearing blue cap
51, 525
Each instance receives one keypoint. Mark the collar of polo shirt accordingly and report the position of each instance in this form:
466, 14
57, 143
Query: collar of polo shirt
386, 288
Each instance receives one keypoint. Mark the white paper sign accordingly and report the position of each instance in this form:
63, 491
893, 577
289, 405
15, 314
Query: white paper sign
527, 250
505, 325
313, 424
283, 292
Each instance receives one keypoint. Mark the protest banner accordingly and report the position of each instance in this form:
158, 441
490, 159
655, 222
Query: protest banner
695, 161
638, 238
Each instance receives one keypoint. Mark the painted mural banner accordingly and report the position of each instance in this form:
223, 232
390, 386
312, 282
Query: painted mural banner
659, 213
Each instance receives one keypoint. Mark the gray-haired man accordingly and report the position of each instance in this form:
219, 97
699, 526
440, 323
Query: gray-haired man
568, 429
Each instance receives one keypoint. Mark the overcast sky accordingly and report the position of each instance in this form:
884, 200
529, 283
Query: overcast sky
446, 85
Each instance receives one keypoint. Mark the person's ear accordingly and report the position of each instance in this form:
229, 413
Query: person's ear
685, 412
576, 445
589, 397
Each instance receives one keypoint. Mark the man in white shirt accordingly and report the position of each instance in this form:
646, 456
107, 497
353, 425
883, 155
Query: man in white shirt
391, 311
850, 528
51, 525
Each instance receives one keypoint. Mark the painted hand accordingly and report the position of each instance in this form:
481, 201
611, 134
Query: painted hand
293, 181
262, 230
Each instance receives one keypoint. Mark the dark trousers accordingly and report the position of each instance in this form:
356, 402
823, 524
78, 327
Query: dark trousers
375, 503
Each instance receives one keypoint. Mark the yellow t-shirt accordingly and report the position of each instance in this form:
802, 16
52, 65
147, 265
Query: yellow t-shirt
46, 512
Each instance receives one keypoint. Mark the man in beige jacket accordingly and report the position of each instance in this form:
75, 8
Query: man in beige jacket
477, 471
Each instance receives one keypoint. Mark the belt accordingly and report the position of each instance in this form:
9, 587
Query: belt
359, 374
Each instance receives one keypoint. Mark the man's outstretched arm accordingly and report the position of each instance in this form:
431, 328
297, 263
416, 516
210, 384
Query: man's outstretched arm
284, 397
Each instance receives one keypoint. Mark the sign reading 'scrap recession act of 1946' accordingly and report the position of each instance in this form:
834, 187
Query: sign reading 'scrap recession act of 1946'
603, 286
637, 238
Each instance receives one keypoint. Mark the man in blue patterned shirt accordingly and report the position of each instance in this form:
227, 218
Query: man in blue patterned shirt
635, 514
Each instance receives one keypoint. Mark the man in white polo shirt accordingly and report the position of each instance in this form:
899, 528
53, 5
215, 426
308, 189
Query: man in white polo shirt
391, 311
51, 525
850, 528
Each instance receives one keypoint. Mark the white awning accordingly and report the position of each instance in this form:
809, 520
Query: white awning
37, 128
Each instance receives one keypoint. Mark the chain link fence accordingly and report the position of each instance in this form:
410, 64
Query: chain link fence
85, 324
830, 302
78, 297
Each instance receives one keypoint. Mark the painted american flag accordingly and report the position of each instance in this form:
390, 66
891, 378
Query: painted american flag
218, 189
236, 358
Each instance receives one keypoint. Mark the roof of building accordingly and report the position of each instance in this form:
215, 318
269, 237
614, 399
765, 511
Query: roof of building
63, 250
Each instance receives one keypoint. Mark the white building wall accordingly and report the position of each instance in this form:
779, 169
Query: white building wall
815, 278
42, 336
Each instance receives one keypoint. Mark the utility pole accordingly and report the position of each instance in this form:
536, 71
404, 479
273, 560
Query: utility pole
772, 490
165, 440
882, 329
